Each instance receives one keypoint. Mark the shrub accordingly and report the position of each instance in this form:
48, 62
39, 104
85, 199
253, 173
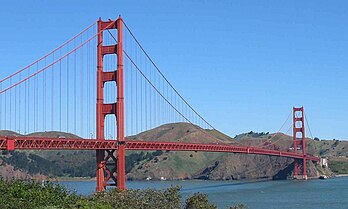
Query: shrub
199, 201
25, 194
145, 199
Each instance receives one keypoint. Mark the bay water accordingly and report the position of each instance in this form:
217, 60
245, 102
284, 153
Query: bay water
311, 194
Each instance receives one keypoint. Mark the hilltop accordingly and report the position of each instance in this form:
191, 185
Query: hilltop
176, 165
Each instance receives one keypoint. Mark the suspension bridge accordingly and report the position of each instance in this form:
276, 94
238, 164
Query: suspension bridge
102, 88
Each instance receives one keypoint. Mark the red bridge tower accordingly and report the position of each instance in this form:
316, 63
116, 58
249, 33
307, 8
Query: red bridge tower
299, 138
110, 163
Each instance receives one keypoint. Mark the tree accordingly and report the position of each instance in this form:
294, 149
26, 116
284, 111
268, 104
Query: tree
199, 201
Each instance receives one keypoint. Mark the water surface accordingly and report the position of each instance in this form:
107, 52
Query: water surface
312, 194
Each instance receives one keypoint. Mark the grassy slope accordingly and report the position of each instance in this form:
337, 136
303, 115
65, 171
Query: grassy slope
339, 165
177, 164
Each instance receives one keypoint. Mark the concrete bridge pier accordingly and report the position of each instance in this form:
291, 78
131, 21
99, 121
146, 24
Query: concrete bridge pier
300, 177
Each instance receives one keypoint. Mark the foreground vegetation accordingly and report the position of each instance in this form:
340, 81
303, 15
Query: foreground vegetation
24, 194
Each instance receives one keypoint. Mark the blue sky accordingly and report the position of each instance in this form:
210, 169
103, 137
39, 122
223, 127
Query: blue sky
242, 64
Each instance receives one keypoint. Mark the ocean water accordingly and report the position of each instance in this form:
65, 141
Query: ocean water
330, 193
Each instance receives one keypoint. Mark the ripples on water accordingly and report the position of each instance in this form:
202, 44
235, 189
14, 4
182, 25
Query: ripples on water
330, 193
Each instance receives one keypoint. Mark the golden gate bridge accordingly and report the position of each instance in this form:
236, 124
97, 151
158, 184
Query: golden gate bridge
103, 88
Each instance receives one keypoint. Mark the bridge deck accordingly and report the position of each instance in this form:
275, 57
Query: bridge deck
35, 143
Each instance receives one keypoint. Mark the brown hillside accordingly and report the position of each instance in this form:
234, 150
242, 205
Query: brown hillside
182, 132
187, 165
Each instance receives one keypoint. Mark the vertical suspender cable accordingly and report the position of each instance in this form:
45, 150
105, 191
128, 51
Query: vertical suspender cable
15, 107
10, 118
1, 128
5, 112
44, 99
87, 88
60, 92
67, 92
37, 99
130, 97
146, 99
52, 95
81, 91
136, 95
74, 90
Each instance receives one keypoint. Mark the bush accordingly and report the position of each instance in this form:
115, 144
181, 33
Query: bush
145, 199
24, 194
199, 201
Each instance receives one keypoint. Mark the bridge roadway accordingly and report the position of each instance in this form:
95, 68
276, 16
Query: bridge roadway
36, 143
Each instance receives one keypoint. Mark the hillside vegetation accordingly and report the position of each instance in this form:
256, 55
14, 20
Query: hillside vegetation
176, 165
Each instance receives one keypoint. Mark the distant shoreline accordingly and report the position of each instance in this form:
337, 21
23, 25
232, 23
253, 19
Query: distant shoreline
74, 179
341, 175
93, 179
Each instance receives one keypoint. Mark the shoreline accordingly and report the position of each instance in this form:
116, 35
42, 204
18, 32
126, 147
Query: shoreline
158, 180
249, 180
75, 179
341, 175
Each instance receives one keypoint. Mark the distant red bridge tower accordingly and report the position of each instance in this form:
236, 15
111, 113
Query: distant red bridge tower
299, 139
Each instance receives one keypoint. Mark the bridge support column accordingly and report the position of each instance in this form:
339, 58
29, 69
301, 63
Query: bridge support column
299, 140
110, 163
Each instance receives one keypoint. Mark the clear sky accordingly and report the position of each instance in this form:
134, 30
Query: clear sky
242, 64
